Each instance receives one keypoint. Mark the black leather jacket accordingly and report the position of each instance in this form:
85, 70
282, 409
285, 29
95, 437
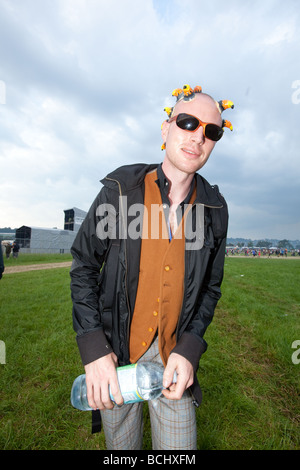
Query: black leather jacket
101, 330
1, 262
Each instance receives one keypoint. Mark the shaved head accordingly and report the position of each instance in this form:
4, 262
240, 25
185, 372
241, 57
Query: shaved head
199, 101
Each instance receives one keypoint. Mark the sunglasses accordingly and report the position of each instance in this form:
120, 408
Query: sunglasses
190, 123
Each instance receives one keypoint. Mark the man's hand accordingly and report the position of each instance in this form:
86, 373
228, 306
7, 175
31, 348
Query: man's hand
185, 376
99, 375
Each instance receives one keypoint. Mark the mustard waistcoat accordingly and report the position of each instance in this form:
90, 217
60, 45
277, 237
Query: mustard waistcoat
161, 278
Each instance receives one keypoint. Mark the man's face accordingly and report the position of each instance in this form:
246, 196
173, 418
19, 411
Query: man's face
189, 151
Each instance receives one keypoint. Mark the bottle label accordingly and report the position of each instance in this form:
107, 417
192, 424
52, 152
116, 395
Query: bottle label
127, 382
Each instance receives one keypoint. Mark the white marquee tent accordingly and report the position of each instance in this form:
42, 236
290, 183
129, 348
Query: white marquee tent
44, 240
51, 240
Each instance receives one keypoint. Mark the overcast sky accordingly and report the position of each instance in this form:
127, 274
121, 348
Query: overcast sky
83, 85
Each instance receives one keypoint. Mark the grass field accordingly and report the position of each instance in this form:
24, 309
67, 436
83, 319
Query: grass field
28, 258
250, 383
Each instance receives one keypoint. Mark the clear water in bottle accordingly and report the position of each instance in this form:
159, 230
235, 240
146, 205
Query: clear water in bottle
78, 394
138, 382
149, 380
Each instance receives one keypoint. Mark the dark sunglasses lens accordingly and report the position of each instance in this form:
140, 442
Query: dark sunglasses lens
186, 122
190, 123
213, 132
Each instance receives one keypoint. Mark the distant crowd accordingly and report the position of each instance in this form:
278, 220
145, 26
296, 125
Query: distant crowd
13, 248
262, 252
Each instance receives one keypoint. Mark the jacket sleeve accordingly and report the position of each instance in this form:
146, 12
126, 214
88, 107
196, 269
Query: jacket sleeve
88, 251
1, 262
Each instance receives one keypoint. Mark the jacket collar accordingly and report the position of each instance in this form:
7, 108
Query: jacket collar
207, 194
129, 177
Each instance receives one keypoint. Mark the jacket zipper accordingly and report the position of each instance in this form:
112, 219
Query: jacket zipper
194, 401
210, 207
125, 252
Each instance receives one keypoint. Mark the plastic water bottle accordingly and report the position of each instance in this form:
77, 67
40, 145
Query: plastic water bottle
138, 382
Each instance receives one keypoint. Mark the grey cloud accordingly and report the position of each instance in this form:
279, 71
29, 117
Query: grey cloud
87, 83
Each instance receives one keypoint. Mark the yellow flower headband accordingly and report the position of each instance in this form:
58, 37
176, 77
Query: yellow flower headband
187, 93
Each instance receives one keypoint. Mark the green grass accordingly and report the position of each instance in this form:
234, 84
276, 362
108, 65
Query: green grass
28, 258
250, 384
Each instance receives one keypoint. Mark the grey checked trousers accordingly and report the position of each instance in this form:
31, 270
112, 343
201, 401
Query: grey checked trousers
173, 422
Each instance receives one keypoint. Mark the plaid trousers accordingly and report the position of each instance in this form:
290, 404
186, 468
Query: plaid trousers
173, 422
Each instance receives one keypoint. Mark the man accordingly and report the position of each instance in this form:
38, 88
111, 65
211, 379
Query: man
15, 249
7, 250
164, 288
